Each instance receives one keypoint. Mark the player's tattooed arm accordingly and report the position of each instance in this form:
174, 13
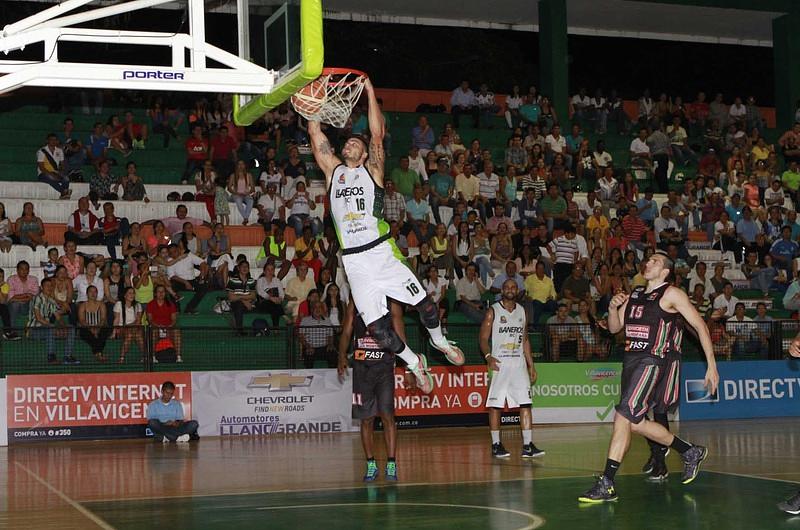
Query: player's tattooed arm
321, 147
376, 160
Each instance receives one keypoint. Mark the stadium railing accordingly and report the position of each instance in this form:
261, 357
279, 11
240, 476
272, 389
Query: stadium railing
224, 348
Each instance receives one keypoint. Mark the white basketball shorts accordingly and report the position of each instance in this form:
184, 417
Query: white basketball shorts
509, 384
378, 273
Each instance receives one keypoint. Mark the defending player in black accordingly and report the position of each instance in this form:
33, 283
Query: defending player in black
650, 317
373, 385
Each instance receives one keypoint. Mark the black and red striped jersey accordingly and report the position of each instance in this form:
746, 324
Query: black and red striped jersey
648, 328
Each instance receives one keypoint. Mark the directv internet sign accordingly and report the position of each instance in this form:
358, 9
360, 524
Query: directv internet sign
747, 389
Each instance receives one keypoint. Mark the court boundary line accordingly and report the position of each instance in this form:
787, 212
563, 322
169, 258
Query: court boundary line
536, 520
395, 485
66, 498
344, 488
747, 475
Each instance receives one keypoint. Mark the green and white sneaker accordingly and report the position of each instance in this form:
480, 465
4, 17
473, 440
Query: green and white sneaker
372, 471
391, 471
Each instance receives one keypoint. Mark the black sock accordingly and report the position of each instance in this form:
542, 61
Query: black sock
679, 445
611, 469
390, 459
371, 459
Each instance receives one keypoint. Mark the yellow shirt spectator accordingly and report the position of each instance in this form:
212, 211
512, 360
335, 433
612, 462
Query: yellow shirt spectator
541, 289
468, 186
598, 220
300, 245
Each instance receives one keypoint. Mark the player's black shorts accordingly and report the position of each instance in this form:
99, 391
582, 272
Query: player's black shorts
641, 374
373, 389
668, 390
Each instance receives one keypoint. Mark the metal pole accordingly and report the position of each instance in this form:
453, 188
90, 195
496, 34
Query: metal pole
197, 29
243, 21
43, 16
102, 12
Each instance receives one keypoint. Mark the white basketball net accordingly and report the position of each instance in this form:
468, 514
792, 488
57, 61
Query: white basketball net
332, 97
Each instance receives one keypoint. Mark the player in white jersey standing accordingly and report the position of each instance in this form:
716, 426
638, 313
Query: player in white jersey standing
373, 263
511, 368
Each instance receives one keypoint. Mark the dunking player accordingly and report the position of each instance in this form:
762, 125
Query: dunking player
511, 368
373, 385
792, 504
370, 256
649, 317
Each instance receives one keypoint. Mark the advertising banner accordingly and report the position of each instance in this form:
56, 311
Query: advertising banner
271, 402
564, 393
86, 406
747, 389
3, 414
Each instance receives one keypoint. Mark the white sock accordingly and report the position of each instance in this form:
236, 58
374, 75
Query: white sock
436, 335
527, 436
495, 437
508, 119
409, 357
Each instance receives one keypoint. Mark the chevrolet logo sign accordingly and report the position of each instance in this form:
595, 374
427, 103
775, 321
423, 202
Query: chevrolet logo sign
280, 382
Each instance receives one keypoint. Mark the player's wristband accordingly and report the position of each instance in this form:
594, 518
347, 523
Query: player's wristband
487, 355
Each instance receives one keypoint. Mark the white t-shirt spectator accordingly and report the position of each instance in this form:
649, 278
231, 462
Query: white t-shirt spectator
513, 102
581, 102
603, 159
660, 224
270, 204
639, 147
462, 98
418, 165
728, 305
81, 283
274, 178
737, 111
469, 290
557, 145
771, 195
130, 313
676, 135
300, 204
265, 288
184, 268
435, 291
291, 186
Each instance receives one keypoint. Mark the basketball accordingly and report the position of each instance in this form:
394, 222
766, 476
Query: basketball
308, 101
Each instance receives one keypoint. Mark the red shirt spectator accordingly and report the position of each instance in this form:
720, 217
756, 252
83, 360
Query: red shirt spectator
196, 148
699, 111
161, 314
223, 145
709, 165
633, 227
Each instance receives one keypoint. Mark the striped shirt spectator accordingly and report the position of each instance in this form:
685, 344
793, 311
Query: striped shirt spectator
489, 184
632, 227
394, 204
565, 249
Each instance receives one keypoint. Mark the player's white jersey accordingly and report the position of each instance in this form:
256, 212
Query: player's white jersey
508, 331
356, 207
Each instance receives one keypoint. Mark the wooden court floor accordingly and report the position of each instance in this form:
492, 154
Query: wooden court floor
447, 480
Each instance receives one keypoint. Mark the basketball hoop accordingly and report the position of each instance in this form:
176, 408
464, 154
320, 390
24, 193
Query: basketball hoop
331, 97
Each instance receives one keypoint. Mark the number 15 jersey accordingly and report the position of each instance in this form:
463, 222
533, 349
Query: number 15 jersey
648, 328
